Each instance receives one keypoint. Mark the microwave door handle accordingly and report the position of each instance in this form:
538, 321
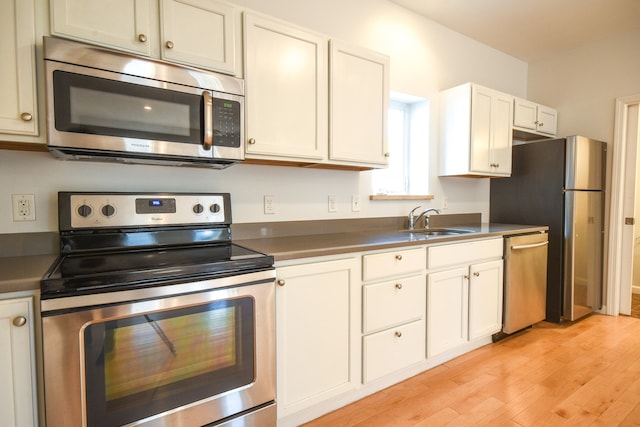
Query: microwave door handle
208, 121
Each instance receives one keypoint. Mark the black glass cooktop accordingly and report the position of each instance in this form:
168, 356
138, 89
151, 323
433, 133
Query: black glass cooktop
77, 274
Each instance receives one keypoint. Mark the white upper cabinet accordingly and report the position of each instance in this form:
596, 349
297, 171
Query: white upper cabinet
531, 117
286, 91
193, 32
18, 103
475, 131
359, 100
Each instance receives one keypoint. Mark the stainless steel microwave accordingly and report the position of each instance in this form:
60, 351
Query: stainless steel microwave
113, 106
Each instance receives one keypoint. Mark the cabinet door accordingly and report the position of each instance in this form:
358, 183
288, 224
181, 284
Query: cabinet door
198, 33
286, 91
18, 404
525, 114
485, 299
121, 24
547, 120
18, 104
481, 104
501, 134
447, 310
317, 324
359, 100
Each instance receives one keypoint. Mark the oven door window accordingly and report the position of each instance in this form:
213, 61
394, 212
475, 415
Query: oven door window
147, 364
94, 105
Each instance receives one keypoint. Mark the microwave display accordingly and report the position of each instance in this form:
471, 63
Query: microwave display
226, 122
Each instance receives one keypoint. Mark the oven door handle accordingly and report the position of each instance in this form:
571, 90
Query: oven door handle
208, 120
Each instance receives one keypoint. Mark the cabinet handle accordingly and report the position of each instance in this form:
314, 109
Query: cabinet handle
27, 117
398, 334
19, 321
252, 141
142, 38
169, 44
399, 257
398, 286
281, 282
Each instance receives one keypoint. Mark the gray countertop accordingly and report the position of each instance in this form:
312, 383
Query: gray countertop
306, 246
23, 273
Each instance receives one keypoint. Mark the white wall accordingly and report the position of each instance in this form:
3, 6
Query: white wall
584, 83
425, 58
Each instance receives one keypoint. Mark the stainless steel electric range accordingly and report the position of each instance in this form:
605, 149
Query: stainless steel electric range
152, 316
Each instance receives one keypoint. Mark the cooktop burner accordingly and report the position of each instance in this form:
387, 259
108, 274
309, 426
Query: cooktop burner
118, 241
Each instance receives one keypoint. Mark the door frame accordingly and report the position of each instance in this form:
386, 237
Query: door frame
620, 251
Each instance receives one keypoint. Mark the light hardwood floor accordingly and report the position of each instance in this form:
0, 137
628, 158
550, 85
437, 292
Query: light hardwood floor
580, 374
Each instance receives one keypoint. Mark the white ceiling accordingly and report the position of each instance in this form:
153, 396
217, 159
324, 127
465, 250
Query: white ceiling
532, 29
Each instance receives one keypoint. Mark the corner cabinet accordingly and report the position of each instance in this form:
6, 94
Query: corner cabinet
286, 91
317, 330
464, 293
531, 117
359, 101
475, 131
18, 397
194, 32
18, 103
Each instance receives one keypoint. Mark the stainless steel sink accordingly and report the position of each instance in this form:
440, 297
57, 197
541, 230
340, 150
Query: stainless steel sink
439, 231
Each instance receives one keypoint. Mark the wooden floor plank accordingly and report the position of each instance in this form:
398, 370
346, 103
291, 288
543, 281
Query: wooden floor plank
573, 374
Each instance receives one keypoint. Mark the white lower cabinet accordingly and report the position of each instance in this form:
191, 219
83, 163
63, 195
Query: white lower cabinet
393, 311
464, 293
18, 401
317, 323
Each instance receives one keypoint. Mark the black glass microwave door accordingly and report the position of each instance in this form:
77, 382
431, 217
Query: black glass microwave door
147, 364
94, 105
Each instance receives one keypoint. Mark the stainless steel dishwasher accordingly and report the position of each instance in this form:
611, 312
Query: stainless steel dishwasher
525, 284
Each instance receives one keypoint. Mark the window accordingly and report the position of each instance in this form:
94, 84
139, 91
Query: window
408, 140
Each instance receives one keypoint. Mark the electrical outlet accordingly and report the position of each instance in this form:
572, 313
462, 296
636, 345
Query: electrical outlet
269, 205
332, 203
24, 207
445, 202
355, 203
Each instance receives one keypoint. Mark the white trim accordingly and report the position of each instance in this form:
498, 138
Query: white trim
616, 220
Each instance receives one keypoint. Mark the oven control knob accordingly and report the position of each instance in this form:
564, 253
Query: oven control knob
214, 208
198, 208
84, 210
108, 210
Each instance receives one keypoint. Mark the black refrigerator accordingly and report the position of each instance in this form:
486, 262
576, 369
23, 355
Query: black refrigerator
560, 183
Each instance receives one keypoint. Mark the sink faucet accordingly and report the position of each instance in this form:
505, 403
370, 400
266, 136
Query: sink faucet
414, 219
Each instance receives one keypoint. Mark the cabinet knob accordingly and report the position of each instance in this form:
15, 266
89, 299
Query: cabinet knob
387, 154
142, 38
476, 274
281, 282
399, 257
19, 321
169, 44
27, 117
398, 286
252, 141
540, 124
398, 334
466, 277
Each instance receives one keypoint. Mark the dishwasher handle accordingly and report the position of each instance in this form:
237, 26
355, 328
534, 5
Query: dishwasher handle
533, 245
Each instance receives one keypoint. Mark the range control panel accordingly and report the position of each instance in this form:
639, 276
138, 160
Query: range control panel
106, 210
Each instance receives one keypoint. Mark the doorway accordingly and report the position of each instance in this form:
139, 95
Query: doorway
625, 194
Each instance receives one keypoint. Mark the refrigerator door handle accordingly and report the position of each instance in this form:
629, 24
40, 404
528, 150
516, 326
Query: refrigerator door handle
533, 245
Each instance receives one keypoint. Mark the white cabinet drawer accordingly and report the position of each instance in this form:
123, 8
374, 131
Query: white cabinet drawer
463, 253
393, 263
391, 303
393, 349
